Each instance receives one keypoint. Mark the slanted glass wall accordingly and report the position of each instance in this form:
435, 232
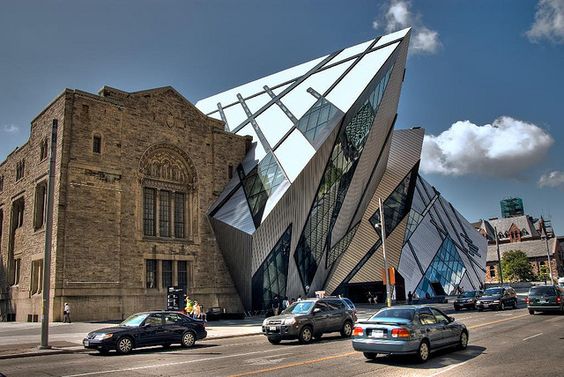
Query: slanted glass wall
335, 182
270, 278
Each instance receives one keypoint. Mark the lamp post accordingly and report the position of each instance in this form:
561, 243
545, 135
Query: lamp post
545, 236
386, 270
48, 237
498, 256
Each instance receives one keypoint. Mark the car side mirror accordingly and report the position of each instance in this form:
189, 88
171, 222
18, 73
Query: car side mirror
451, 319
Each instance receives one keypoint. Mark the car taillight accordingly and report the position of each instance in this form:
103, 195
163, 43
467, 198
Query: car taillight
358, 331
558, 299
526, 300
400, 333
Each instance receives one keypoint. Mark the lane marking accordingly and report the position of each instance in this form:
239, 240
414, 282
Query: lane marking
173, 364
498, 321
532, 336
296, 364
448, 369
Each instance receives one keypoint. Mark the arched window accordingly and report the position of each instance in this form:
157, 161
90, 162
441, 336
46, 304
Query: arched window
168, 181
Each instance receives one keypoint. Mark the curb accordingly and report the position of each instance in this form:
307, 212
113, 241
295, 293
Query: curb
79, 349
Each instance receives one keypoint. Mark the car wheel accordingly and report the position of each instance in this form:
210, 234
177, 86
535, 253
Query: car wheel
531, 312
188, 339
346, 331
274, 340
423, 351
124, 345
370, 355
306, 335
463, 343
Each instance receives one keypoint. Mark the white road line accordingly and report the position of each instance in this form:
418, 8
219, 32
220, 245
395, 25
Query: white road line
532, 336
447, 369
173, 364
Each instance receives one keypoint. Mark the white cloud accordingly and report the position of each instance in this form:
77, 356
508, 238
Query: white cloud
552, 179
549, 22
504, 148
10, 128
398, 15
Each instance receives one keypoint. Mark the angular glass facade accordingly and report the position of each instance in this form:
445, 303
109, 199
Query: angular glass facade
317, 119
340, 247
397, 205
335, 182
444, 273
270, 278
260, 183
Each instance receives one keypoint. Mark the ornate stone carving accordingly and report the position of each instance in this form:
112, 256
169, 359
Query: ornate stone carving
167, 163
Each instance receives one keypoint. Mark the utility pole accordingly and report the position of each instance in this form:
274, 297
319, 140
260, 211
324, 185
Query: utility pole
383, 235
545, 236
498, 256
48, 238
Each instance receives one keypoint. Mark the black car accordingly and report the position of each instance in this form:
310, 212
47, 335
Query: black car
497, 298
147, 329
467, 300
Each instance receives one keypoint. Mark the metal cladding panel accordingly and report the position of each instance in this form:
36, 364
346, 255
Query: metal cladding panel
372, 269
425, 242
235, 247
409, 268
229, 188
292, 208
468, 285
383, 122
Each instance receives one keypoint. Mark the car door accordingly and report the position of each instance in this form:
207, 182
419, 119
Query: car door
174, 327
430, 327
336, 314
320, 317
450, 330
152, 330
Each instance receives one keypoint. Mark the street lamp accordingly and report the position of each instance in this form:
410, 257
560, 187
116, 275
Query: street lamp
498, 256
545, 237
382, 227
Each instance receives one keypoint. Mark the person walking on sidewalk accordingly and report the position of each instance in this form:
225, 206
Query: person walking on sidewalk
66, 313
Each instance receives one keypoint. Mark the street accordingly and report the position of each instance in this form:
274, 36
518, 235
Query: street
508, 343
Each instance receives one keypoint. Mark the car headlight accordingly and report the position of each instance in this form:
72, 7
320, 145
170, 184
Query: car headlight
289, 321
478, 302
103, 336
265, 322
496, 301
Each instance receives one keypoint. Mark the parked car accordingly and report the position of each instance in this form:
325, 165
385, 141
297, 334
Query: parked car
408, 329
147, 329
467, 300
497, 298
311, 318
545, 298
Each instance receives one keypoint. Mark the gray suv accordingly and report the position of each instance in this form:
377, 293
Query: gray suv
311, 318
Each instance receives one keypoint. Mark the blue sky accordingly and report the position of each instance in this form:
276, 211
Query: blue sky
484, 77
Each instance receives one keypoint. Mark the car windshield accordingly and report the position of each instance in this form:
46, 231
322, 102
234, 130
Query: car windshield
468, 294
134, 320
493, 291
394, 313
549, 291
300, 307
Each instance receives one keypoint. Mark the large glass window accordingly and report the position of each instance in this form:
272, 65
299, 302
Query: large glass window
36, 277
149, 211
179, 214
151, 273
40, 201
167, 273
182, 268
270, 278
316, 119
164, 214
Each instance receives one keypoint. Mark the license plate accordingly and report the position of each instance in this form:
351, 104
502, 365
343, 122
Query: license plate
543, 301
272, 328
377, 334
85, 342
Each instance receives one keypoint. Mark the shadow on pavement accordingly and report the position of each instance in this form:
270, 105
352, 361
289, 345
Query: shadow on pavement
439, 359
159, 349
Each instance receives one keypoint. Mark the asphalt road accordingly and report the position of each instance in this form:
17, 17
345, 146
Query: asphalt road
510, 343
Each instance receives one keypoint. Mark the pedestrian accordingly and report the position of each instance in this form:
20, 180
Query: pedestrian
415, 297
409, 297
285, 302
66, 313
370, 298
189, 306
196, 310
300, 298
276, 305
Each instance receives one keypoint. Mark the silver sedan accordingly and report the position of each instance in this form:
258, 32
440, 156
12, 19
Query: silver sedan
417, 330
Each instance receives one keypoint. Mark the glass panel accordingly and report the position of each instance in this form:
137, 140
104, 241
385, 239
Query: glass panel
151, 273
179, 214
340, 246
182, 268
316, 119
167, 273
270, 278
149, 210
164, 213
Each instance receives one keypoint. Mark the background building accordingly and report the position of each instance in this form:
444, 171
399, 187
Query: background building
512, 207
135, 175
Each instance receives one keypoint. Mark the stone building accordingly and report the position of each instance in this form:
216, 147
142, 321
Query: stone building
135, 175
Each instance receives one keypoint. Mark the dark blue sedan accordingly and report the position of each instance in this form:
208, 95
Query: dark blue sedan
147, 329
417, 330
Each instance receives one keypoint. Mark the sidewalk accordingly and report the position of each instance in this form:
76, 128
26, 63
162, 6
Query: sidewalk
21, 339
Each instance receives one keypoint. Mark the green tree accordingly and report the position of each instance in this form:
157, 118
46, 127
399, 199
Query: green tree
516, 266
543, 273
